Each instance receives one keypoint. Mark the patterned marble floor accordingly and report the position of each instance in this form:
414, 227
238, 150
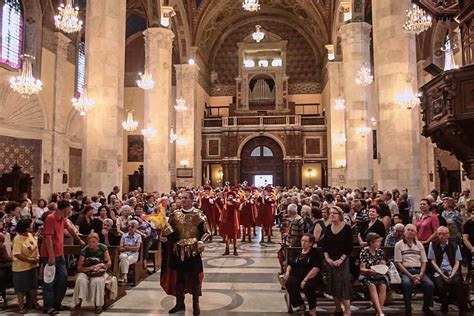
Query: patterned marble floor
243, 285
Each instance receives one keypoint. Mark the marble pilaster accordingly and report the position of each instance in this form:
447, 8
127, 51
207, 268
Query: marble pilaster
188, 128
158, 109
395, 73
336, 124
62, 106
355, 42
105, 54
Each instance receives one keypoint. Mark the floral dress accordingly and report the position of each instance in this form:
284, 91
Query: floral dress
372, 260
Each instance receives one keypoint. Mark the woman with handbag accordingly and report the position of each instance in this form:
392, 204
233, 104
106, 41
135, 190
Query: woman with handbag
93, 271
375, 282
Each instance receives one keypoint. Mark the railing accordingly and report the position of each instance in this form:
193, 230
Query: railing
282, 120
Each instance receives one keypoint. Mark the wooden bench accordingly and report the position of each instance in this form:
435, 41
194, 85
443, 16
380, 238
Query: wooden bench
291, 252
75, 250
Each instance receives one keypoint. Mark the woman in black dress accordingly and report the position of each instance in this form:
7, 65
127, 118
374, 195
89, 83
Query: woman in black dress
337, 247
303, 274
373, 226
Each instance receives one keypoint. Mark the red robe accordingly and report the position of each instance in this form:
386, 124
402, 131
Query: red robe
208, 210
247, 214
266, 211
230, 226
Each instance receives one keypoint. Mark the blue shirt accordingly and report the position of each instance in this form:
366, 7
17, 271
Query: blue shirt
445, 264
131, 240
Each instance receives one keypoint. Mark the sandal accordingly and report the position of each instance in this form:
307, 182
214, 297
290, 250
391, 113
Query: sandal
22, 311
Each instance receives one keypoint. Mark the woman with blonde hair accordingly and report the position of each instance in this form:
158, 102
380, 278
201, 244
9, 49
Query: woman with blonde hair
93, 270
337, 247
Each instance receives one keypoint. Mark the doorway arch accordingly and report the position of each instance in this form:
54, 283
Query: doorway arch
261, 156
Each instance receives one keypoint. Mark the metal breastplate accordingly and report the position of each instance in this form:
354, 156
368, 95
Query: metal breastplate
186, 225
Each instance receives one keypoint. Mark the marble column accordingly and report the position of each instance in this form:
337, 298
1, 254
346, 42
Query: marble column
336, 124
103, 135
62, 107
188, 128
158, 109
355, 42
395, 73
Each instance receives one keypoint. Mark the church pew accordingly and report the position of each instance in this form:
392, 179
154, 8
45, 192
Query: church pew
291, 252
75, 250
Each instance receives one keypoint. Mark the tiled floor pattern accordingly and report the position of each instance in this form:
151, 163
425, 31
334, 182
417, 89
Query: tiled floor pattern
243, 285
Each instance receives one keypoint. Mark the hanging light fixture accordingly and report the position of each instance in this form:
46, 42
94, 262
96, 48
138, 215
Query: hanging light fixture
417, 20
364, 77
25, 84
373, 120
341, 138
339, 104
251, 5
173, 136
180, 105
258, 35
146, 81
67, 20
149, 133
130, 125
408, 100
83, 104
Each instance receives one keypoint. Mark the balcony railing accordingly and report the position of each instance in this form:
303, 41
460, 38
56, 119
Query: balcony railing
283, 120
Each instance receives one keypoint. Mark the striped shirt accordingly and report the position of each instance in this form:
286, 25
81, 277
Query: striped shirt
410, 256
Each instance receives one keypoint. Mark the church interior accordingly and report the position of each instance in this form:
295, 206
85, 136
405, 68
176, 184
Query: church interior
163, 94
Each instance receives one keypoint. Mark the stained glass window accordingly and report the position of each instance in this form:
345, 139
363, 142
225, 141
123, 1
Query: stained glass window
12, 33
81, 68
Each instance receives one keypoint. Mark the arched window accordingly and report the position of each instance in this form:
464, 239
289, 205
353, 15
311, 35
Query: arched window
255, 152
81, 68
449, 62
261, 151
12, 33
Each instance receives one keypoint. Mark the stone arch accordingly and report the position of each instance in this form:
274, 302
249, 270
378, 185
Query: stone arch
261, 155
16, 111
250, 137
438, 37
74, 127
182, 30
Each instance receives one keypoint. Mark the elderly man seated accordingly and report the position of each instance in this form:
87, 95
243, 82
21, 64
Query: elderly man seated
395, 235
410, 259
446, 260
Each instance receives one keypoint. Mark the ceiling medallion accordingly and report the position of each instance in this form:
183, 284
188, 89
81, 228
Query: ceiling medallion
417, 20
251, 5
67, 19
258, 35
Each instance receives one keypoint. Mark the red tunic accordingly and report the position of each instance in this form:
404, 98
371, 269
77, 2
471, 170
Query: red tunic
217, 208
206, 207
247, 214
230, 226
266, 213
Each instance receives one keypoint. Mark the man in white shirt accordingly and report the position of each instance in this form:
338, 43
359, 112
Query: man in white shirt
391, 203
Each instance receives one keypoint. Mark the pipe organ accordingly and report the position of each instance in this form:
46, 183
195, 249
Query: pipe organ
262, 92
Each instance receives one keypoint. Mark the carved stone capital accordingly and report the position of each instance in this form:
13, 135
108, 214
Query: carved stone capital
355, 32
187, 72
158, 37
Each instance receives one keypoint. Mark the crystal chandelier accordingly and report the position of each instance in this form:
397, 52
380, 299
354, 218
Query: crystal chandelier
258, 35
373, 120
251, 5
180, 105
149, 133
417, 20
364, 77
340, 104
408, 100
363, 130
130, 125
67, 20
25, 84
83, 104
341, 138
146, 82
173, 136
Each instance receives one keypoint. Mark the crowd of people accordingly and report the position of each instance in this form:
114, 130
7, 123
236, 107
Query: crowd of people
430, 240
